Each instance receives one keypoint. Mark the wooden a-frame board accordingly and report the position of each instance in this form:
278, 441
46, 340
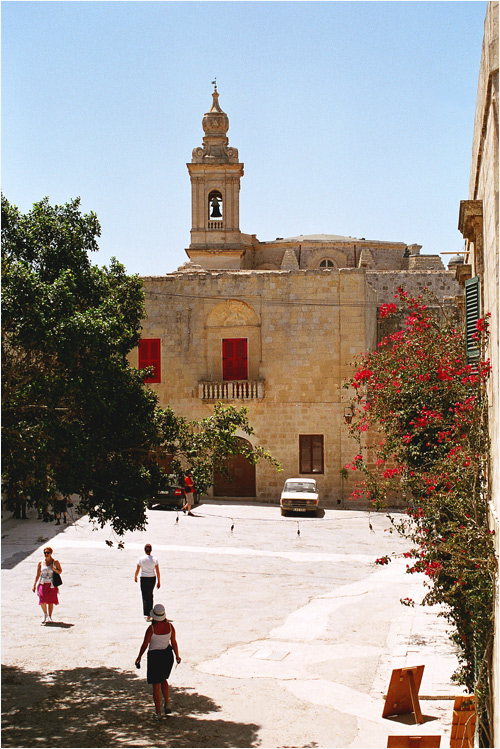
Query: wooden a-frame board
402, 695
413, 742
463, 726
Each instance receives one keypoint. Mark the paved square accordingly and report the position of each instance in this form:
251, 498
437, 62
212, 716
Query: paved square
287, 638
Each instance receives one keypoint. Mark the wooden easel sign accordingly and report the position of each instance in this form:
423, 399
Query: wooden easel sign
402, 695
413, 742
464, 722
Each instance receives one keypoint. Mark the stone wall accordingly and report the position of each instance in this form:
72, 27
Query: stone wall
345, 253
304, 328
441, 283
425, 262
483, 187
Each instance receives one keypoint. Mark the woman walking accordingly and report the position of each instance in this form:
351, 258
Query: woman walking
162, 644
47, 592
61, 508
149, 568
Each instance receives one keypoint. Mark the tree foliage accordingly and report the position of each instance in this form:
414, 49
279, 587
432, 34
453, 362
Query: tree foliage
428, 406
202, 447
76, 417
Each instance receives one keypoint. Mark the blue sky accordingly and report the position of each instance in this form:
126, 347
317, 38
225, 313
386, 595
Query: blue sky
351, 118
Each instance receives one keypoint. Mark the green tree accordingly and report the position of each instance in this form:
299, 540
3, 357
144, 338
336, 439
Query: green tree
420, 417
76, 416
202, 447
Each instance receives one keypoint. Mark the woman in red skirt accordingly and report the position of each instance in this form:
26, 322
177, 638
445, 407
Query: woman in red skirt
47, 592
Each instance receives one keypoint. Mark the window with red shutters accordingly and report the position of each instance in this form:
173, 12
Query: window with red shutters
150, 356
234, 359
311, 453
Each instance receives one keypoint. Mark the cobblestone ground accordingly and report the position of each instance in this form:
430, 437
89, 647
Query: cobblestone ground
287, 630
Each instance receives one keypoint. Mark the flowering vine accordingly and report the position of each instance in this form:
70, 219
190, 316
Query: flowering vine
420, 418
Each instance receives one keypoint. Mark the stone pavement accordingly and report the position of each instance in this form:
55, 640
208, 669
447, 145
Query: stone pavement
288, 632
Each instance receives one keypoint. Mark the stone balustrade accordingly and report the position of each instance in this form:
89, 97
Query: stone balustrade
228, 390
215, 225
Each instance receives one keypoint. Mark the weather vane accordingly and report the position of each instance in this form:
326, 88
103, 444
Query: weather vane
214, 83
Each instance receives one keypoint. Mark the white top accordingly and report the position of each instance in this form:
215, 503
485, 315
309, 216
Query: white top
160, 642
147, 563
46, 575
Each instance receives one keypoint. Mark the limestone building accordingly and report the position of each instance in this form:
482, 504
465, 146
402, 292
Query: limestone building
478, 271
275, 326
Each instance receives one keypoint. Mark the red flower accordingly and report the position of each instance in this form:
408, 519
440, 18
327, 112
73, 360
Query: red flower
387, 309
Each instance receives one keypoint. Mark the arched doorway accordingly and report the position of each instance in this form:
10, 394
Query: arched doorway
241, 479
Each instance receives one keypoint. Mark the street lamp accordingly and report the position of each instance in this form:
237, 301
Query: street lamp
348, 414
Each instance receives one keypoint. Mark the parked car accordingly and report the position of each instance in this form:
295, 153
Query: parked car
299, 495
171, 493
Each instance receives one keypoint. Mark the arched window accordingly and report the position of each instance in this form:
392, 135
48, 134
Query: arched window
327, 263
215, 206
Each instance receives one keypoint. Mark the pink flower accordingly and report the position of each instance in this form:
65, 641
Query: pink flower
387, 309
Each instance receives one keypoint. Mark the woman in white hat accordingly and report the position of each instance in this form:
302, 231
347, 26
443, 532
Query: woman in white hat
160, 637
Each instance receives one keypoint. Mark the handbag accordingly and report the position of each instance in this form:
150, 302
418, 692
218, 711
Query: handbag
56, 579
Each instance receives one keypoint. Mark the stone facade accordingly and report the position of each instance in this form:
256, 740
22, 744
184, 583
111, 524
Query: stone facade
304, 307
303, 330
478, 222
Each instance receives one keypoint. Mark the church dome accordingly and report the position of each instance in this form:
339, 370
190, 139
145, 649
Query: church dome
215, 121
215, 149
455, 260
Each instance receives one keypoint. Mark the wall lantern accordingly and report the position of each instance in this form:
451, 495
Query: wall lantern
348, 414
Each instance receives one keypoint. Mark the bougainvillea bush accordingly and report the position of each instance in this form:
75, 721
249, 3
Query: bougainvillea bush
420, 417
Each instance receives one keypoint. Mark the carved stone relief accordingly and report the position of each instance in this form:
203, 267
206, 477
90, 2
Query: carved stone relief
212, 151
232, 313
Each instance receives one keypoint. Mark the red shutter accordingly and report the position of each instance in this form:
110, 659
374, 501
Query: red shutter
234, 359
150, 356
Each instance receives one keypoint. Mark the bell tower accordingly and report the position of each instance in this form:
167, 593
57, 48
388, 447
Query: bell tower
215, 172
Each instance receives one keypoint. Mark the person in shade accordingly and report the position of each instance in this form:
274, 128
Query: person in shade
149, 570
47, 592
161, 643
188, 493
61, 508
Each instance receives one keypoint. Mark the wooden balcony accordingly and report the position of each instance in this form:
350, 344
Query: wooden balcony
231, 390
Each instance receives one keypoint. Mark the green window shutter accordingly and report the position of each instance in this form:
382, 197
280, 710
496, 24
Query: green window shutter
472, 315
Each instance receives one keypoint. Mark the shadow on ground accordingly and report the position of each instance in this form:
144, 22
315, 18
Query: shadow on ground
37, 531
101, 707
409, 719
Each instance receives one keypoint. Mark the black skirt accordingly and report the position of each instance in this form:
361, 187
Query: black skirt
160, 664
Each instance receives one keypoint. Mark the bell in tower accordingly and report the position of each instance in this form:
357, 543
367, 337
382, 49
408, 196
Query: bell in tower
215, 206
215, 173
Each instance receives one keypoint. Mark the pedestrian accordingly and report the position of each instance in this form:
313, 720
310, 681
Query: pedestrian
17, 500
47, 591
162, 644
43, 511
149, 570
61, 507
188, 493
